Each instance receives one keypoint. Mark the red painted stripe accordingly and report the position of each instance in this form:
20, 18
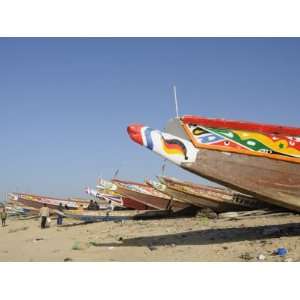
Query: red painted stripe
241, 125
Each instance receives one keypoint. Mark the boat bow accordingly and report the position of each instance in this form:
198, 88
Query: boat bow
168, 146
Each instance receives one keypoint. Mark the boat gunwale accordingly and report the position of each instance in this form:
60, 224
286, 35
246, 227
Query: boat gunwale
240, 151
241, 125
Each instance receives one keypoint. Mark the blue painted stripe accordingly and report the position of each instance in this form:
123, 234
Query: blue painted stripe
149, 140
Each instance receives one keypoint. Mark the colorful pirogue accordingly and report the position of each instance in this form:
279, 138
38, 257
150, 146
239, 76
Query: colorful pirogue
37, 201
261, 160
218, 199
148, 196
107, 190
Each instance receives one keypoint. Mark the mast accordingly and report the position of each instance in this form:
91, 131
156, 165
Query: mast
176, 101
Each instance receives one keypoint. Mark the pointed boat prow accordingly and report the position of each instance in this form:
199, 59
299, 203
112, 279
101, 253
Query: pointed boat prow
134, 131
168, 146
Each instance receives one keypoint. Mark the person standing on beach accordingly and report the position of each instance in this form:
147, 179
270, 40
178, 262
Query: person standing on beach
91, 205
3, 216
96, 205
109, 208
44, 214
59, 216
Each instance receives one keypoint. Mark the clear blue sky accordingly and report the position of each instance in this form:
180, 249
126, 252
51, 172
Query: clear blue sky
65, 103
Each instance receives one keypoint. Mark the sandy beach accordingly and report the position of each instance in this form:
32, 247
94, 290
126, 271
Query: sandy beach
180, 239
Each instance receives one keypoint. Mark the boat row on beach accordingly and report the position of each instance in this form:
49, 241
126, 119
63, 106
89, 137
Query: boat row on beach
172, 194
256, 166
166, 193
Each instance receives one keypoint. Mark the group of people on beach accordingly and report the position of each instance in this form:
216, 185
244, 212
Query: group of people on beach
45, 215
93, 205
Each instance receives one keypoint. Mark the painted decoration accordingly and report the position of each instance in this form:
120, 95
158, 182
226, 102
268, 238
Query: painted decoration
104, 196
12, 197
244, 141
106, 185
145, 190
166, 145
52, 201
157, 185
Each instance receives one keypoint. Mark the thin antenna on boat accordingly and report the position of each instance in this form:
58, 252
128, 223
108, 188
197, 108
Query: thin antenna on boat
116, 173
176, 101
163, 168
99, 179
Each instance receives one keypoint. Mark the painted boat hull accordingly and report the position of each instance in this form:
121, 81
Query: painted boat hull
119, 200
35, 204
53, 203
130, 203
139, 205
109, 188
194, 200
219, 198
151, 200
126, 202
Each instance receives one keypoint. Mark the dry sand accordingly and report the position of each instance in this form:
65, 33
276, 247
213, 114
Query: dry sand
181, 239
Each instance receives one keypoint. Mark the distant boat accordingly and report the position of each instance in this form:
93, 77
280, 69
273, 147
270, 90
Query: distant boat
148, 196
216, 198
19, 210
37, 201
110, 195
256, 159
110, 187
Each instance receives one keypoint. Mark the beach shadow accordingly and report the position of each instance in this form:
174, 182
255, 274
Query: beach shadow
73, 224
90, 220
211, 236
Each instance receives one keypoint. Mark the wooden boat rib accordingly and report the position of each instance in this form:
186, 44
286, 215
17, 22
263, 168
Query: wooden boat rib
150, 197
260, 160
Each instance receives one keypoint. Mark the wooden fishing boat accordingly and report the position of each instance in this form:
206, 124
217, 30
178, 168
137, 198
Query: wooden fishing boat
223, 199
260, 160
132, 204
20, 210
149, 196
112, 195
38, 201
180, 196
